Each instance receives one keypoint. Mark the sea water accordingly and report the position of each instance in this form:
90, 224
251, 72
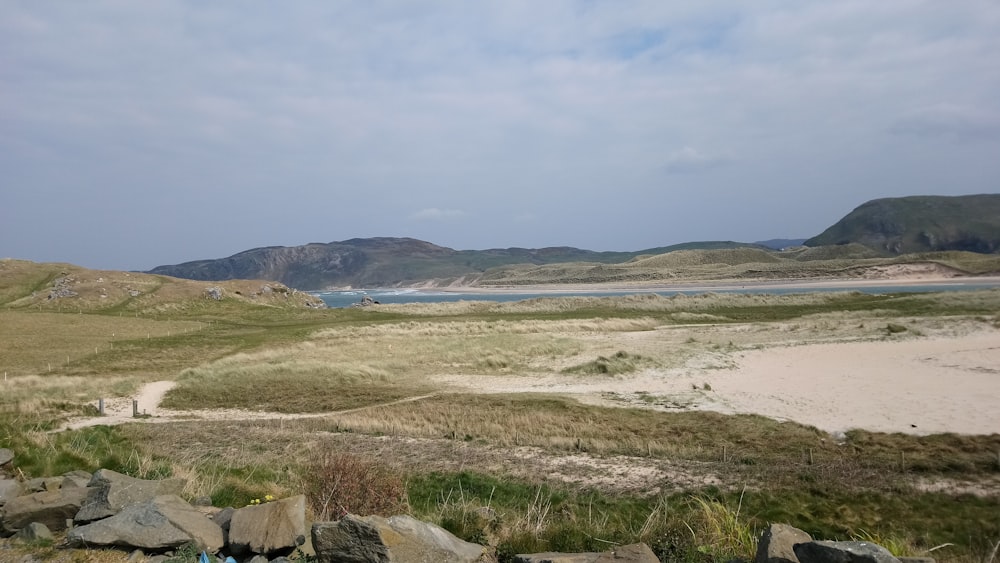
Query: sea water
349, 298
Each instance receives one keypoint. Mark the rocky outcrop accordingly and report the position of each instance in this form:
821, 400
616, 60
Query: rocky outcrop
273, 528
165, 522
110, 492
777, 544
399, 539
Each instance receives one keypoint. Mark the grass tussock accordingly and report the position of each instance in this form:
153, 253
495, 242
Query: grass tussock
721, 531
620, 363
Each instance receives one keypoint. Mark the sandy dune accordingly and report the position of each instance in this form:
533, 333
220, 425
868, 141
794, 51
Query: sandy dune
920, 386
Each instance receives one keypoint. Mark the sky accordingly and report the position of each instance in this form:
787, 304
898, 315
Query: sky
137, 134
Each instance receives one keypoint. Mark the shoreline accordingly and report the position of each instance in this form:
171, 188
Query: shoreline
694, 285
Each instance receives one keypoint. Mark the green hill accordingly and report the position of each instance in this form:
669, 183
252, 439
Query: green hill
388, 262
920, 224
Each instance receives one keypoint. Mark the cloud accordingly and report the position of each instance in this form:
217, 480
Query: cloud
949, 121
436, 214
570, 109
689, 160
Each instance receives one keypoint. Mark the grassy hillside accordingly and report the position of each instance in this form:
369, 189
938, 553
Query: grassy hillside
850, 261
64, 287
388, 262
920, 224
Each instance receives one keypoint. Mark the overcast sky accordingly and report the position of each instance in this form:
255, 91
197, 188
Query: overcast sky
141, 133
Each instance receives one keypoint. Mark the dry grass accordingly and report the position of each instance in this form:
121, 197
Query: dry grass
337, 484
43, 343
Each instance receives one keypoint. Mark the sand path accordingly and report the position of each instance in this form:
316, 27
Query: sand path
149, 397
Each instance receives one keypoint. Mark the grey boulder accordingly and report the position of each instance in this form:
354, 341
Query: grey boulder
164, 522
9, 490
36, 531
6, 456
51, 508
777, 544
399, 539
111, 491
272, 528
843, 552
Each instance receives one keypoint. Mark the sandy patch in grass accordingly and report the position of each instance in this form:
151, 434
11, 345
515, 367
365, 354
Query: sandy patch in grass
922, 386
832, 371
948, 381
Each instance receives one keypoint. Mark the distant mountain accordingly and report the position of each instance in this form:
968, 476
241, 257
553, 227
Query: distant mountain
781, 243
390, 262
920, 224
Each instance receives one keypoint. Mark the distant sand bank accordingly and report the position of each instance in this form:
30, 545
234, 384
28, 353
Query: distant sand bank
723, 285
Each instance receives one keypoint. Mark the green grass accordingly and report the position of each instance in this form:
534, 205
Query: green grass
694, 526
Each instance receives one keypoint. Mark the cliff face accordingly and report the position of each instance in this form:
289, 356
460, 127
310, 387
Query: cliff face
920, 224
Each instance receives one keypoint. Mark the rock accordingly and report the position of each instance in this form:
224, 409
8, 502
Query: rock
80, 479
843, 552
916, 560
777, 544
35, 531
164, 522
223, 518
111, 491
214, 293
9, 489
51, 508
632, 553
553, 557
399, 539
259, 559
41, 484
6, 456
272, 528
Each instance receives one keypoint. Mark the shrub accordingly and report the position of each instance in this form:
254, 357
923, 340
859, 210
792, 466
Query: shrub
338, 483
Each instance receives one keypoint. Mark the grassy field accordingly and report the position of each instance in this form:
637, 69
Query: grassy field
442, 410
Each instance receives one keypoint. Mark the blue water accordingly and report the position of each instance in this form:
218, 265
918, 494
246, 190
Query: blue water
349, 298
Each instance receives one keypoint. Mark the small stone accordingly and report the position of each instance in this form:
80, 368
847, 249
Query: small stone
33, 532
6, 456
